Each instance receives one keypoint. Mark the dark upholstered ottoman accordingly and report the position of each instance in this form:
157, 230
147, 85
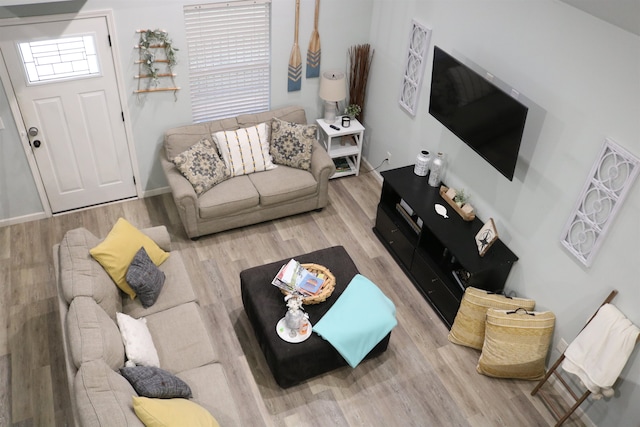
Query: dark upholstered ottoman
264, 305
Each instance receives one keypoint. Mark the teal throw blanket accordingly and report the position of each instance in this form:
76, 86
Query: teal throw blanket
360, 318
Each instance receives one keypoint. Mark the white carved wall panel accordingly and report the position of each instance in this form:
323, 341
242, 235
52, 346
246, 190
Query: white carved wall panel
610, 179
416, 58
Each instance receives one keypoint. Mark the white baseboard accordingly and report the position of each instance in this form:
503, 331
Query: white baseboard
41, 215
21, 219
369, 167
156, 192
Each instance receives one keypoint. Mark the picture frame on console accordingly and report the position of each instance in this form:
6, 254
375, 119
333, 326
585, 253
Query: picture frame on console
486, 237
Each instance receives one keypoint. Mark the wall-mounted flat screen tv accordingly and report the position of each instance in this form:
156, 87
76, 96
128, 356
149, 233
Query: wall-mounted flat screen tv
487, 119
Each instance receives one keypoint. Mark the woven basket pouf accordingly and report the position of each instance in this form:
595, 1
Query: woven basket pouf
516, 344
326, 289
469, 324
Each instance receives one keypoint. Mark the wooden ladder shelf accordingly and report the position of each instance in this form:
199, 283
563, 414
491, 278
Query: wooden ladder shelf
544, 395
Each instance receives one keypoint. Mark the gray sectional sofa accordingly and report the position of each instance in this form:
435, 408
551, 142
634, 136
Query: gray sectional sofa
94, 352
246, 199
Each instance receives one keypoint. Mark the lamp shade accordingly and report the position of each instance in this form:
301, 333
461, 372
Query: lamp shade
332, 86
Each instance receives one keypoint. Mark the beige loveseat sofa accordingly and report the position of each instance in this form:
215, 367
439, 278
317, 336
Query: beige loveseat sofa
94, 350
245, 199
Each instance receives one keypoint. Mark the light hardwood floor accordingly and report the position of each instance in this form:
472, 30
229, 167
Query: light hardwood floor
421, 380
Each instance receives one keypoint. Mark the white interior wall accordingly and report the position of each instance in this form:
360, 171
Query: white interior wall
341, 25
583, 72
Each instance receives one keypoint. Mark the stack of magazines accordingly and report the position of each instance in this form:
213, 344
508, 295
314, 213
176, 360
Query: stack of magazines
294, 278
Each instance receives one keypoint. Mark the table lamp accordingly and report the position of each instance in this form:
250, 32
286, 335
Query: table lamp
332, 90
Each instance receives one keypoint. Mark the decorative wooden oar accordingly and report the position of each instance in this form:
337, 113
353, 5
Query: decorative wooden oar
313, 53
295, 63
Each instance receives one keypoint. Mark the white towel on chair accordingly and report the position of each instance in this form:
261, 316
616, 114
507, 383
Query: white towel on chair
600, 351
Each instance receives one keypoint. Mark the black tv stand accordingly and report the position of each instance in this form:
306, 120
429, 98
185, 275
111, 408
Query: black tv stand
438, 254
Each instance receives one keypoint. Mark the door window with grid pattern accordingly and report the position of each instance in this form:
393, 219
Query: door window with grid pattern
59, 59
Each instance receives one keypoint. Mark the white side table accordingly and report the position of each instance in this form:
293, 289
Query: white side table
342, 144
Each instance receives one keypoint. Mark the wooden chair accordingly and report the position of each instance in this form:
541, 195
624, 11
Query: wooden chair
562, 417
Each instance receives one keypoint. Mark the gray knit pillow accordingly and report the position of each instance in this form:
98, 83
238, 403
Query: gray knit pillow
149, 381
145, 278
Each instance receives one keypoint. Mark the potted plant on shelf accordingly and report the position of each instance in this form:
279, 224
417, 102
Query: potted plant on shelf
352, 110
460, 198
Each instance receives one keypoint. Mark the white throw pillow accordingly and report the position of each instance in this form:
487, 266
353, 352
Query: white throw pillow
138, 343
245, 150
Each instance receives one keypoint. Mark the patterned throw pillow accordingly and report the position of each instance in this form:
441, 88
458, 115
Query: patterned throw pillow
291, 143
202, 166
145, 278
245, 150
149, 381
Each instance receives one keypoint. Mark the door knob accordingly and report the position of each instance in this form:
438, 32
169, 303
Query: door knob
36, 143
33, 131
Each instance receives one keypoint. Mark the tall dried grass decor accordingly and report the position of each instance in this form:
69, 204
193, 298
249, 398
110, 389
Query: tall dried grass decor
360, 57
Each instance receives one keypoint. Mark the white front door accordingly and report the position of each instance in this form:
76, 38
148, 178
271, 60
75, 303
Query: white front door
63, 76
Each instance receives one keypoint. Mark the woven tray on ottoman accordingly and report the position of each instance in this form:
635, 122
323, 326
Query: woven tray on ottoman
327, 288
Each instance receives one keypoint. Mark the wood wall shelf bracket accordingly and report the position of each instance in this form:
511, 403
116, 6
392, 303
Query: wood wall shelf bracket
155, 63
148, 76
159, 89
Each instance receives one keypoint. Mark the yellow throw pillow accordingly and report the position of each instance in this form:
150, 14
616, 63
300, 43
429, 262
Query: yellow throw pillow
117, 250
172, 412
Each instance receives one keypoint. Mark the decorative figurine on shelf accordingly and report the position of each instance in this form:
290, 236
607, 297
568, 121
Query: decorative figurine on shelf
295, 315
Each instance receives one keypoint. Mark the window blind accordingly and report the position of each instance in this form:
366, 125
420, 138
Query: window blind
229, 58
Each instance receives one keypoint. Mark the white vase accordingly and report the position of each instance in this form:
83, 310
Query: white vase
438, 165
422, 163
